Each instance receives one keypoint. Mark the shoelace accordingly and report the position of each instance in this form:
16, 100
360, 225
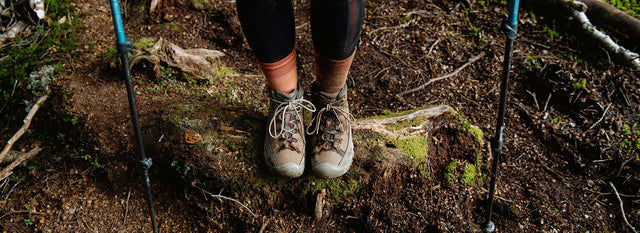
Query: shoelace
337, 112
282, 109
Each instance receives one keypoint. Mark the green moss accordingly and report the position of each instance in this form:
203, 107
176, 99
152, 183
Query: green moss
110, 56
413, 147
336, 188
173, 26
478, 162
582, 84
389, 114
200, 4
144, 43
631, 7
408, 123
450, 170
469, 174
223, 71
416, 149
477, 134
47, 45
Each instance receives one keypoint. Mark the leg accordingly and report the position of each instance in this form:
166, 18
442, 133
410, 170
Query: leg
269, 28
335, 26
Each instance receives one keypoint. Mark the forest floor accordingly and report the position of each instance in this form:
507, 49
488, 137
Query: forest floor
572, 130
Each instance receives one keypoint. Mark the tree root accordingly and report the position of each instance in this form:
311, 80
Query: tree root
380, 125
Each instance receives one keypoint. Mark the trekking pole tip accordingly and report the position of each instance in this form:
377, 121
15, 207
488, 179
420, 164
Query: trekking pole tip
489, 227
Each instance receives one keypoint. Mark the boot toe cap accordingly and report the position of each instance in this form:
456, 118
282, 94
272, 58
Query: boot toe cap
328, 170
290, 170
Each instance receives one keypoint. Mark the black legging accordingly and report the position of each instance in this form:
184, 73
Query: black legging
269, 27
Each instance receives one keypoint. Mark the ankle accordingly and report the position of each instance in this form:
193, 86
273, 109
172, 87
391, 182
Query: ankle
281, 75
332, 74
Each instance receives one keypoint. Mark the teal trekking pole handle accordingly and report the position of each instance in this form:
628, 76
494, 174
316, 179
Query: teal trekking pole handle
124, 46
510, 27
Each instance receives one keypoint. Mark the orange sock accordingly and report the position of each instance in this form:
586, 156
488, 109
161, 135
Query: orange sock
281, 75
332, 74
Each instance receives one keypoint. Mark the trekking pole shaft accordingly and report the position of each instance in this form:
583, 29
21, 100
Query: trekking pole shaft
124, 46
136, 125
511, 31
117, 21
497, 140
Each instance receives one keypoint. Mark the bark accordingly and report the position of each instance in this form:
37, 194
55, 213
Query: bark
607, 16
577, 8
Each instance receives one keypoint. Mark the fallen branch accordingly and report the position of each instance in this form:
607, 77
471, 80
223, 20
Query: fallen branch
13, 31
201, 63
380, 125
455, 72
622, 208
25, 126
7, 171
226, 198
577, 10
608, 16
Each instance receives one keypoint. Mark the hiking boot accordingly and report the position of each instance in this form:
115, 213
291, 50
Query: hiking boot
284, 146
330, 130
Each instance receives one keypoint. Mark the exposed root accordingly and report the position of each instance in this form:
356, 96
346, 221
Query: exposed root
380, 125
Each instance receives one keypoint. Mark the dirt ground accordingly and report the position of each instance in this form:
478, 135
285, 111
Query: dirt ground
572, 130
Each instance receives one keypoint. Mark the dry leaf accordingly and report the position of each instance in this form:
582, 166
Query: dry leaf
192, 138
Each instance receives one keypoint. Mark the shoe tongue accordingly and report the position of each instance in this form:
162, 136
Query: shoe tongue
334, 96
287, 96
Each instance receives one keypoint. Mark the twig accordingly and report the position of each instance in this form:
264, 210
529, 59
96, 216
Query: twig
27, 122
6, 172
126, 208
621, 194
535, 99
455, 72
622, 208
551, 170
225, 198
404, 25
625, 163
433, 45
154, 4
21, 212
547, 103
264, 226
320, 203
603, 115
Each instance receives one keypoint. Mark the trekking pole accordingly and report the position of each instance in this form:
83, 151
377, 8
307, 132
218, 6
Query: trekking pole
510, 28
124, 46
